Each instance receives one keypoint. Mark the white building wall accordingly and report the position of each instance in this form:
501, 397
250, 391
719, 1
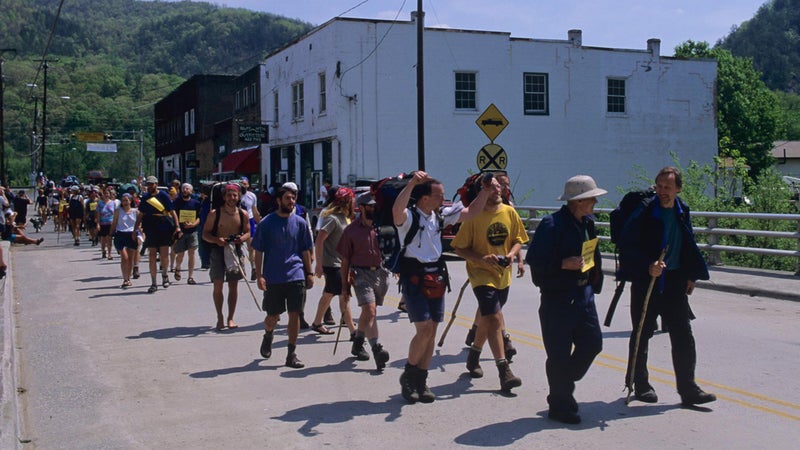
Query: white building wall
371, 111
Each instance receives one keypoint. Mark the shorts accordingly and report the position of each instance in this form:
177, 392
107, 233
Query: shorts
156, 238
124, 239
252, 227
186, 242
218, 270
490, 300
370, 286
333, 280
419, 307
105, 230
90, 223
282, 297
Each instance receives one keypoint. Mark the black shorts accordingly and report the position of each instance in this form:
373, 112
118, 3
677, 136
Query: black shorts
490, 300
333, 280
156, 239
279, 298
105, 230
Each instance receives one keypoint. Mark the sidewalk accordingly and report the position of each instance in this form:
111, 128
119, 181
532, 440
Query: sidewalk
741, 280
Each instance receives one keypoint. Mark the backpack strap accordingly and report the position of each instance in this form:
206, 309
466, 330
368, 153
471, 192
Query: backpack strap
216, 222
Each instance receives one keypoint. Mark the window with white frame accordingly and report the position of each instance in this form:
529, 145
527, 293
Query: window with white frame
275, 107
323, 99
535, 94
616, 96
298, 101
465, 90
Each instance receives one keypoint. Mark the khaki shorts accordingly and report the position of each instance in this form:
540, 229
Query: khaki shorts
370, 286
186, 242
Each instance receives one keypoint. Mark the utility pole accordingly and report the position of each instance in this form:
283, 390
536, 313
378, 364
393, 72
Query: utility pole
3, 180
420, 90
44, 112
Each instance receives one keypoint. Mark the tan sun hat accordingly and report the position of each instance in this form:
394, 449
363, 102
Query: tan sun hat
580, 187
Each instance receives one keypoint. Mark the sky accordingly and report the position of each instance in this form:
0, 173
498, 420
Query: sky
624, 24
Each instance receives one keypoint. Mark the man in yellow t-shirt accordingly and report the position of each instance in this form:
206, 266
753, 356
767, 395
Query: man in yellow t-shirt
488, 243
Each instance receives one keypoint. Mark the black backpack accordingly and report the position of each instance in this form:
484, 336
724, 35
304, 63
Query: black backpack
385, 193
629, 208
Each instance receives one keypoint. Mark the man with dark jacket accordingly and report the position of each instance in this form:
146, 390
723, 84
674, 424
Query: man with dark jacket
565, 264
664, 223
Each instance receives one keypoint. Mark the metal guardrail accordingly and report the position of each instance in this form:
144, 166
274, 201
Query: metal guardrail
712, 247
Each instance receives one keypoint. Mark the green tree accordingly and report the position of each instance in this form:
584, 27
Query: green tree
749, 115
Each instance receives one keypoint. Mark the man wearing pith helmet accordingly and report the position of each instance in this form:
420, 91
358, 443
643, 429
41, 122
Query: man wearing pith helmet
565, 265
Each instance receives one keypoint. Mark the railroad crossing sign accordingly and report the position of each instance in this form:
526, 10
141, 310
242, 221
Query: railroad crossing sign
492, 122
492, 157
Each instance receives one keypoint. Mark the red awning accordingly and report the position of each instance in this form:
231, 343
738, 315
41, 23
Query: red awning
241, 161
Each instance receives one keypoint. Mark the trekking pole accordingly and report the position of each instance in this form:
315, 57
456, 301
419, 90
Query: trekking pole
244, 277
453, 314
338, 333
614, 300
639, 331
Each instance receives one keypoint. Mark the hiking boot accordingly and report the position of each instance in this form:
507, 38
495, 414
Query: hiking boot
509, 347
329, 320
568, 417
358, 349
293, 362
408, 386
696, 396
473, 363
425, 393
303, 324
471, 335
645, 394
266, 345
507, 378
381, 356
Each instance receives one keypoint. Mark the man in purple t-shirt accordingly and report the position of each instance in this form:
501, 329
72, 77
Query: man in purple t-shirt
283, 261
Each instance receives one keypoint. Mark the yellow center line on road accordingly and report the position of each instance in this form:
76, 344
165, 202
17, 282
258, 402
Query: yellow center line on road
535, 341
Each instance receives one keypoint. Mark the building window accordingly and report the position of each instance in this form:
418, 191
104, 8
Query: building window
465, 90
186, 123
191, 121
253, 94
298, 102
323, 99
275, 106
616, 95
238, 101
246, 97
535, 96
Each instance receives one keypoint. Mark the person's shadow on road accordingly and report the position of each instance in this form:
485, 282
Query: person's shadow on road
313, 416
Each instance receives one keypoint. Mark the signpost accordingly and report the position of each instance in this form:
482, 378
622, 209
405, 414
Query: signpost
492, 156
87, 136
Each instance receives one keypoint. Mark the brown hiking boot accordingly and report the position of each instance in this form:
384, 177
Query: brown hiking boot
507, 378
473, 363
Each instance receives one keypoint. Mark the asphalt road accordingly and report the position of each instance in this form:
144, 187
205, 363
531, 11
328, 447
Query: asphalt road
93, 366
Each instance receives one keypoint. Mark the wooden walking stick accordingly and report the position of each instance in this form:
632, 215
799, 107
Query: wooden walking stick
453, 315
338, 333
244, 276
639, 330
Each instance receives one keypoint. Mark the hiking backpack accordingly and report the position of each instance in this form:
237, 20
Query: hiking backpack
385, 193
629, 208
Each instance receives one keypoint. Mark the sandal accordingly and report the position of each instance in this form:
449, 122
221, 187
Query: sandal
165, 281
177, 275
152, 289
191, 281
320, 328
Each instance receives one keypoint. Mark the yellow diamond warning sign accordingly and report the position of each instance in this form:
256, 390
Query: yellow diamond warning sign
492, 122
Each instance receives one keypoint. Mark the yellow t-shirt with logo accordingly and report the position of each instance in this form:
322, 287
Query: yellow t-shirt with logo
491, 232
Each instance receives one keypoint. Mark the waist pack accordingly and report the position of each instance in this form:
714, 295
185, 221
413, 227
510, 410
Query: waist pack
432, 285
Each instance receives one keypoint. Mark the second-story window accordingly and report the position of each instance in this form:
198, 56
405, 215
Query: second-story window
616, 96
298, 101
323, 99
246, 97
238, 101
535, 96
465, 91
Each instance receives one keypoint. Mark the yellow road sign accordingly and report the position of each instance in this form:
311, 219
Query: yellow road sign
492, 157
90, 137
492, 122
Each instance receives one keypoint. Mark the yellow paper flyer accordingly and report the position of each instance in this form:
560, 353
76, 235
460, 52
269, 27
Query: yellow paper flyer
588, 254
187, 215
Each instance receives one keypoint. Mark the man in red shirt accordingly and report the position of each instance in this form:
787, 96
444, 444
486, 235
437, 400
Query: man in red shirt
362, 269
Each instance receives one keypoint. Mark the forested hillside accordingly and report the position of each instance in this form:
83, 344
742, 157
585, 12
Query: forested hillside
114, 59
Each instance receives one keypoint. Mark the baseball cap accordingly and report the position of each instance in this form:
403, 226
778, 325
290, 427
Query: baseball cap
151, 179
290, 186
365, 198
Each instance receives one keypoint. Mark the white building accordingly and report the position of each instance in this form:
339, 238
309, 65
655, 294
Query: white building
341, 102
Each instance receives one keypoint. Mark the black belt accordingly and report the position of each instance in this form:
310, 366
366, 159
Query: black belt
373, 268
582, 281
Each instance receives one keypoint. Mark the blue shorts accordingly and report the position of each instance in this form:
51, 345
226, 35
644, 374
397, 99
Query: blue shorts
252, 227
490, 300
421, 308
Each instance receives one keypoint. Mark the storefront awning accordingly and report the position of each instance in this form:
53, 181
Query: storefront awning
241, 161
